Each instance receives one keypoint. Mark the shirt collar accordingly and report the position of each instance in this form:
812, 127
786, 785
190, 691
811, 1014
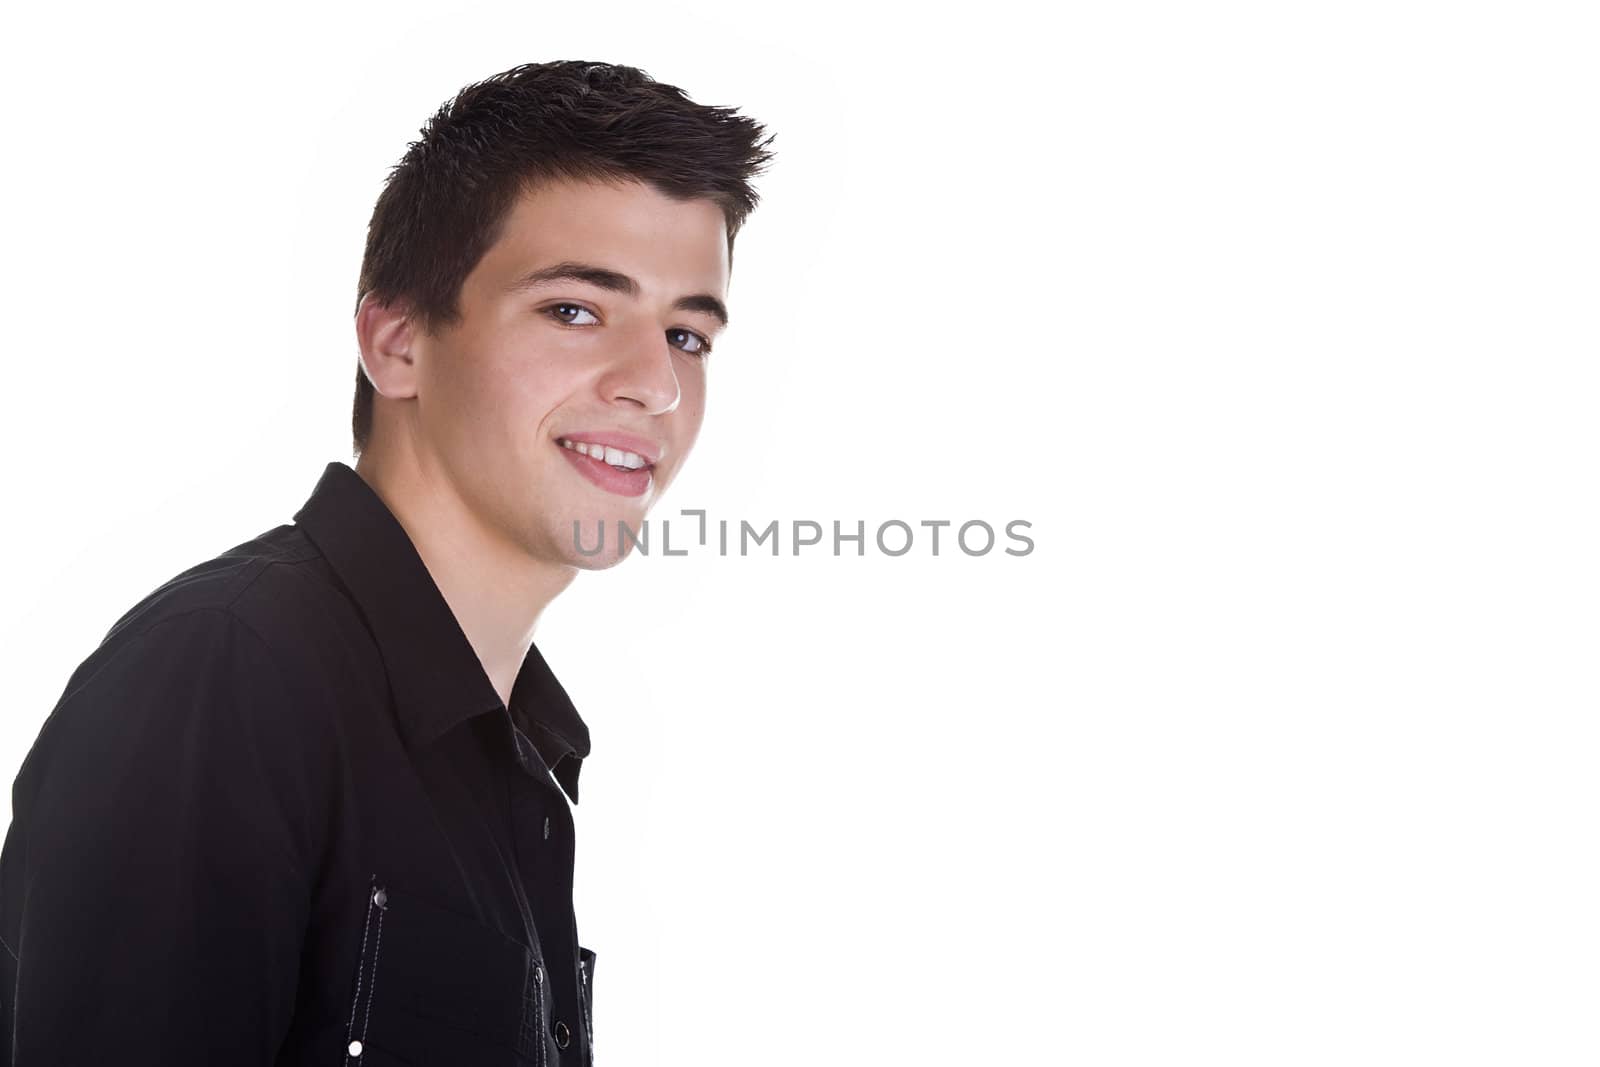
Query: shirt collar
434, 673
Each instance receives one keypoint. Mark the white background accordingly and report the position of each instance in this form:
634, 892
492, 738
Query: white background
1276, 321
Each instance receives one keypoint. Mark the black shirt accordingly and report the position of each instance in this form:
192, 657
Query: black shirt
281, 816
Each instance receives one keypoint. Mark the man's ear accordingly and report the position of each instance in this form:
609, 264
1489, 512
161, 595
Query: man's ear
387, 335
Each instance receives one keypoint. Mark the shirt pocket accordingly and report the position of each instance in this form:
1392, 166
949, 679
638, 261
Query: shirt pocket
436, 987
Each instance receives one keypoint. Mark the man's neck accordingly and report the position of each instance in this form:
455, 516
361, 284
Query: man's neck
496, 590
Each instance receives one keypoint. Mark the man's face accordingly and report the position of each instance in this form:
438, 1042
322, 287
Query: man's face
533, 364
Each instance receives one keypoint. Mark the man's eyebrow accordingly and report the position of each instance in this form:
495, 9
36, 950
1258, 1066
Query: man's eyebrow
616, 282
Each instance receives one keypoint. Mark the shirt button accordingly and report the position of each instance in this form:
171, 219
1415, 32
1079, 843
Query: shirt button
380, 898
355, 1048
563, 1035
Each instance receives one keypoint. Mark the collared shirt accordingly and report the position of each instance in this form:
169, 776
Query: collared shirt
281, 816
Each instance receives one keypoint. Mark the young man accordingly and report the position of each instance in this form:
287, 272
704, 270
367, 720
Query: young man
307, 803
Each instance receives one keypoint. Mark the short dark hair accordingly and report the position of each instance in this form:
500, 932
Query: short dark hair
444, 203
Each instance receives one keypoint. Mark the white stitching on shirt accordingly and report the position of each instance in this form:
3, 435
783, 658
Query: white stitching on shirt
538, 1013
377, 946
355, 1002
588, 1019
361, 961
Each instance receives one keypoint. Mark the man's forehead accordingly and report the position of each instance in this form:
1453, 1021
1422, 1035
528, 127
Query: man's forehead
623, 209
629, 227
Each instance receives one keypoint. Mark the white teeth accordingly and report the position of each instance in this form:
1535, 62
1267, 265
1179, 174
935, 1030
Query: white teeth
615, 456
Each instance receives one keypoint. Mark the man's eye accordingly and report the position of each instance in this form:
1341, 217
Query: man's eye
702, 347
559, 312
567, 315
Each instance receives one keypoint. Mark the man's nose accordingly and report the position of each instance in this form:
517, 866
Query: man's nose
641, 371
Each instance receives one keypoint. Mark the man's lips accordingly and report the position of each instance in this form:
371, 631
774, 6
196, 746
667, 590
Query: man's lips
630, 483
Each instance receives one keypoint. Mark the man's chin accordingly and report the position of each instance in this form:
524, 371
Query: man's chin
594, 543
602, 561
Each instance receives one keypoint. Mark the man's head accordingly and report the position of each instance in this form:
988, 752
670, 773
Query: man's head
547, 265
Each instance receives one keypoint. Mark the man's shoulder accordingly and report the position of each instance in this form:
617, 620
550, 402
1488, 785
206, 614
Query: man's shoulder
253, 633
277, 584
269, 575
269, 602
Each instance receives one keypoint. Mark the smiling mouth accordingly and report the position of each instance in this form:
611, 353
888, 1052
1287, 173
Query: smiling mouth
616, 458
615, 470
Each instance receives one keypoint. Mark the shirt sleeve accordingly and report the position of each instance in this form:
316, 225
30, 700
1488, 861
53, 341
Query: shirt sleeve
161, 857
